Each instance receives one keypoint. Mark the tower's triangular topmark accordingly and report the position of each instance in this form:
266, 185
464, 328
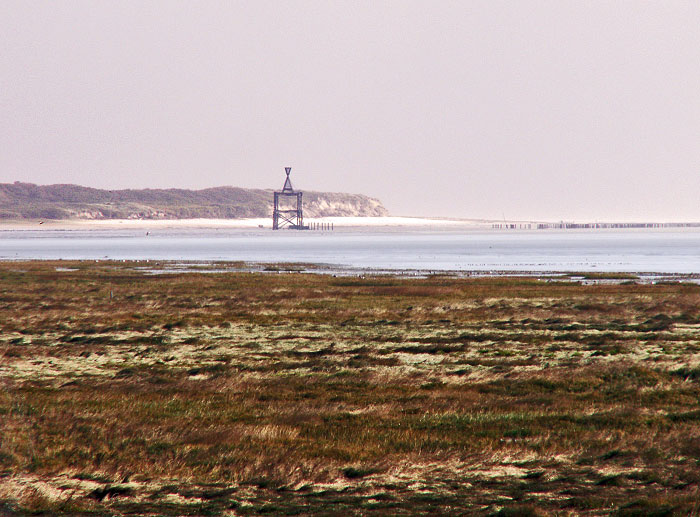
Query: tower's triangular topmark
287, 183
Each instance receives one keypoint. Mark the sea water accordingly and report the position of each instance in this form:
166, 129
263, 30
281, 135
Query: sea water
623, 250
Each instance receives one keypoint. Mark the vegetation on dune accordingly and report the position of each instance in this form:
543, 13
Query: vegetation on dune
245, 393
29, 201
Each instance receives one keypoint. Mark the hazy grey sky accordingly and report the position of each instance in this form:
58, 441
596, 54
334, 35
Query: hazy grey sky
544, 109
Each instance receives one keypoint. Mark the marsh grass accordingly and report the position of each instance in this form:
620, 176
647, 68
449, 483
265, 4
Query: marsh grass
246, 393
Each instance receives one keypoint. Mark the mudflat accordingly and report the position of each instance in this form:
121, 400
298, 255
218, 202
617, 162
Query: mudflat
133, 390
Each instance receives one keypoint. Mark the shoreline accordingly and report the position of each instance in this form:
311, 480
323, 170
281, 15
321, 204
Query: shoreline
252, 223
338, 223
170, 266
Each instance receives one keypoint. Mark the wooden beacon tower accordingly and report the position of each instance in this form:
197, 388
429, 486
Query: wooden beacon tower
288, 216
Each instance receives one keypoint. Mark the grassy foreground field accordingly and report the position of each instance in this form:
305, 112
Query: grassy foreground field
247, 393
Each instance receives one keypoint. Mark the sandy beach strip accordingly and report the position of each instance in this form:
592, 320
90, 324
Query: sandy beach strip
266, 223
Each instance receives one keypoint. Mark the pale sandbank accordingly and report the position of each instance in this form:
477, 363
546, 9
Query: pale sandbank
336, 222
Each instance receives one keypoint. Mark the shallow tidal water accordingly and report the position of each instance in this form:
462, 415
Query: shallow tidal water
663, 250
